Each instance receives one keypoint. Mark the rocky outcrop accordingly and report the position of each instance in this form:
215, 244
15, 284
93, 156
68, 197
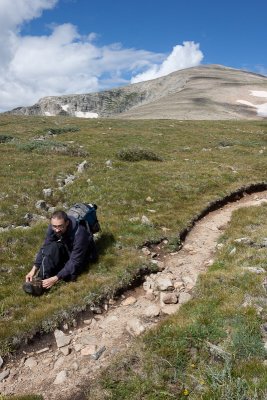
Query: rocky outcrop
205, 92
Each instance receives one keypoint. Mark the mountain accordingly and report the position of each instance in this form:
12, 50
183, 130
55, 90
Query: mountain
209, 92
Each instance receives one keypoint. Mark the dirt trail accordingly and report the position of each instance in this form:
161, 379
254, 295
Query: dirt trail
59, 369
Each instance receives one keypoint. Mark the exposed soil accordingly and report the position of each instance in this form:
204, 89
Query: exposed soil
61, 376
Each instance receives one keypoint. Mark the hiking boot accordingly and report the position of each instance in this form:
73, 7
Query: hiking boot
34, 287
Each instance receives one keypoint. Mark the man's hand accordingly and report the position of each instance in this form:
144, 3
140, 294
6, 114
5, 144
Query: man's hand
31, 274
49, 282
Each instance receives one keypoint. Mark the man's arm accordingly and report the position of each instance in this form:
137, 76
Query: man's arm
78, 255
31, 274
49, 282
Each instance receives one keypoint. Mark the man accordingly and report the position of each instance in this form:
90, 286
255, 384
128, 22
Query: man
65, 252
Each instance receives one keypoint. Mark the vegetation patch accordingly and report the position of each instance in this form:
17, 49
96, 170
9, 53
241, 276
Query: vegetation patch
59, 131
138, 154
6, 138
46, 146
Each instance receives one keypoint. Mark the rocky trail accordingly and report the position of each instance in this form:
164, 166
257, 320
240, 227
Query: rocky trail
58, 365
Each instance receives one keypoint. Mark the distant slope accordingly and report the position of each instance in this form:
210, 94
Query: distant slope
209, 92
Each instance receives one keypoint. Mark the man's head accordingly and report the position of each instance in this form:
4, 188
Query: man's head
59, 222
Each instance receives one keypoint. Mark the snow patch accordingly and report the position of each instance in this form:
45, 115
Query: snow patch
258, 93
82, 114
49, 114
65, 107
260, 108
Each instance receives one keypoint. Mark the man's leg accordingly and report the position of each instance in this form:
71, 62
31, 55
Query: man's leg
54, 258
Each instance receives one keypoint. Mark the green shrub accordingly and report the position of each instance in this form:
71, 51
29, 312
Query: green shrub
138, 154
5, 138
59, 131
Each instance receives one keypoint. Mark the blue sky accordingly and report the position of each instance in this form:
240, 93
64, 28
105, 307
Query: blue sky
54, 47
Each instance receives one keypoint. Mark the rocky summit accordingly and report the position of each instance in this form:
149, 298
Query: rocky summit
206, 92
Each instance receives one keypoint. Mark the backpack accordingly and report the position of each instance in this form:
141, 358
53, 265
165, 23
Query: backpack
85, 214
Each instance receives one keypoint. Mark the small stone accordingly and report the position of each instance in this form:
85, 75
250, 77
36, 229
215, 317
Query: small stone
65, 350
232, 252
31, 363
87, 321
47, 192
255, 270
42, 350
61, 339
4, 374
109, 163
128, 301
152, 311
164, 283
1, 362
146, 251
169, 298
89, 350
184, 297
61, 377
82, 167
41, 205
178, 285
170, 309
134, 327
145, 220
149, 199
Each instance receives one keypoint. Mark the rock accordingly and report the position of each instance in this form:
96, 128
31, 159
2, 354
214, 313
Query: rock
169, 298
31, 363
69, 179
98, 354
87, 339
218, 352
45, 349
170, 309
109, 163
145, 220
164, 283
129, 301
149, 199
87, 321
244, 240
82, 167
152, 311
47, 192
89, 350
184, 297
135, 327
1, 362
61, 377
255, 270
61, 339
232, 252
134, 219
178, 285
41, 205
65, 350
4, 374
159, 264
59, 362
146, 251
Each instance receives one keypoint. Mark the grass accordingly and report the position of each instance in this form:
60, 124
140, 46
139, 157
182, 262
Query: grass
200, 162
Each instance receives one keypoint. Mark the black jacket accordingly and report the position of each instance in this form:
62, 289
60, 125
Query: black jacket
76, 240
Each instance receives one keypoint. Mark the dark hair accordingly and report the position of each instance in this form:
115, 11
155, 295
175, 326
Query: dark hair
60, 215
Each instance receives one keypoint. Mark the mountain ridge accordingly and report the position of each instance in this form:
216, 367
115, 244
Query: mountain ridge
210, 92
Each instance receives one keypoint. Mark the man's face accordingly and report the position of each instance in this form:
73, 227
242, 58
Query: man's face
59, 226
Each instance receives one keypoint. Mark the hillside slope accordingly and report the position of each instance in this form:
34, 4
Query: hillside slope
209, 92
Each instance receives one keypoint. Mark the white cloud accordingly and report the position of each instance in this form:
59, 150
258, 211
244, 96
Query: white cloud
185, 56
65, 62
